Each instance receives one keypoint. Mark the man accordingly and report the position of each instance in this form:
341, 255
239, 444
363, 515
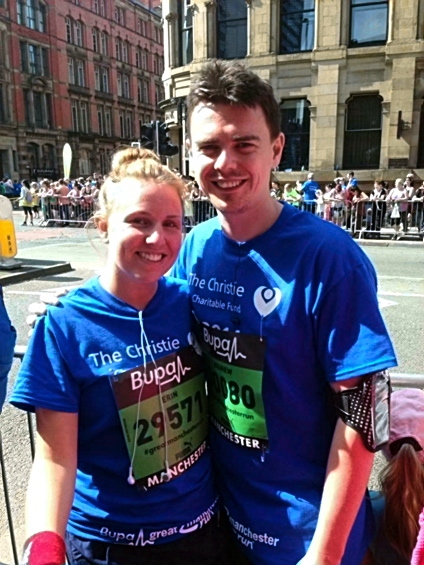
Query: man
352, 181
269, 287
309, 189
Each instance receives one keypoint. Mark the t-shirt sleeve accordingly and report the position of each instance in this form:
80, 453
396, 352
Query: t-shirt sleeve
351, 335
45, 379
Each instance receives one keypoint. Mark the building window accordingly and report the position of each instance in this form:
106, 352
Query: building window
297, 23
34, 59
185, 19
84, 116
102, 8
100, 121
122, 123
101, 78
38, 109
78, 33
108, 121
144, 59
96, 6
128, 124
232, 29
76, 72
118, 49
119, 15
126, 86
3, 104
119, 83
125, 52
295, 124
103, 43
96, 43
74, 31
138, 57
32, 14
362, 139
368, 22
80, 118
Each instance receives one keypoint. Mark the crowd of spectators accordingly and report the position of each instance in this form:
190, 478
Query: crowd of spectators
345, 204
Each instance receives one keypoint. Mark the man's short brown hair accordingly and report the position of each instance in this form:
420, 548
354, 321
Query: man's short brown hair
232, 83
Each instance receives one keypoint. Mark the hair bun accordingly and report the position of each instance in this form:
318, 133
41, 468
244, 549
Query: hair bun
123, 159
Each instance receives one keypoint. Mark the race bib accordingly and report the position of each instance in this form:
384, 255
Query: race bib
234, 367
163, 412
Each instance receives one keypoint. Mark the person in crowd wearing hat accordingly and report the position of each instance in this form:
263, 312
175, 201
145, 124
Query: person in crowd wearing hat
397, 507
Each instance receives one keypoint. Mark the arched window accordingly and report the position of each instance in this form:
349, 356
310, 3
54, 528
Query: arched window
295, 124
33, 151
362, 139
232, 29
96, 42
74, 31
48, 157
104, 43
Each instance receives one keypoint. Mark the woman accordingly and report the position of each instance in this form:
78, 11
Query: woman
398, 197
397, 507
121, 462
338, 198
358, 207
26, 202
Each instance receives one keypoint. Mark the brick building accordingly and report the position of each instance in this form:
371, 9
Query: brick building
86, 72
349, 76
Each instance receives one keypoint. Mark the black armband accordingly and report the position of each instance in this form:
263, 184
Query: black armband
365, 408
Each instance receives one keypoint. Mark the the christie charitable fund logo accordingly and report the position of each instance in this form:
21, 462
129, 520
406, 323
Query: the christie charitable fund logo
265, 298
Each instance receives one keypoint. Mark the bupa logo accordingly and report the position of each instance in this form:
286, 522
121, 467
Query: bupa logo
225, 347
173, 371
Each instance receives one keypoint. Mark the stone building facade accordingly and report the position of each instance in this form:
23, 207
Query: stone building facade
83, 72
349, 76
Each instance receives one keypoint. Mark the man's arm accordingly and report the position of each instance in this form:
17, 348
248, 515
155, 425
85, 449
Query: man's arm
52, 482
348, 469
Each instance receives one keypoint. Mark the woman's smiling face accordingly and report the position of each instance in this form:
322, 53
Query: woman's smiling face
144, 231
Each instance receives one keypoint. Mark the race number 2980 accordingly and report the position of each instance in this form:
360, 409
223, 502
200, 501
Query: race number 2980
231, 390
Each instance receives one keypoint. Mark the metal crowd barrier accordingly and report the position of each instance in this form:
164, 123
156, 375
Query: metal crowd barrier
402, 380
77, 212
371, 219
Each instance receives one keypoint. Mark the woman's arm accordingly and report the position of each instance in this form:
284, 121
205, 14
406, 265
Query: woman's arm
52, 481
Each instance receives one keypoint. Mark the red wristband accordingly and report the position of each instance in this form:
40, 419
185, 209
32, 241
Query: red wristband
44, 548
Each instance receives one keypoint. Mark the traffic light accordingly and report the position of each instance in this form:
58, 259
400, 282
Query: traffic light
164, 145
147, 136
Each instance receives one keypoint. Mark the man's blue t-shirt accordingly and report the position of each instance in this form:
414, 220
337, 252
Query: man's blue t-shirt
310, 188
280, 317
75, 355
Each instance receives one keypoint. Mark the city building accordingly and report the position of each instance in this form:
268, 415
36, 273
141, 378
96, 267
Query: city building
83, 72
348, 74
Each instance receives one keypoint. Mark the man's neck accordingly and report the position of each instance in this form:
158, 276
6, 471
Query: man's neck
252, 223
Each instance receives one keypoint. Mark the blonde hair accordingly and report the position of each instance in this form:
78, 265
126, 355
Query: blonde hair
139, 164
402, 483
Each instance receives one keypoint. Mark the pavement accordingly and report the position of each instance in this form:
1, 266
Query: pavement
62, 255
47, 251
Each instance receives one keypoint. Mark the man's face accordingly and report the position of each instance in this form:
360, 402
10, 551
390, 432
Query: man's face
233, 155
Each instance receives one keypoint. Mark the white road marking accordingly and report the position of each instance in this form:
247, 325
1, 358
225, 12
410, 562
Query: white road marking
383, 303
